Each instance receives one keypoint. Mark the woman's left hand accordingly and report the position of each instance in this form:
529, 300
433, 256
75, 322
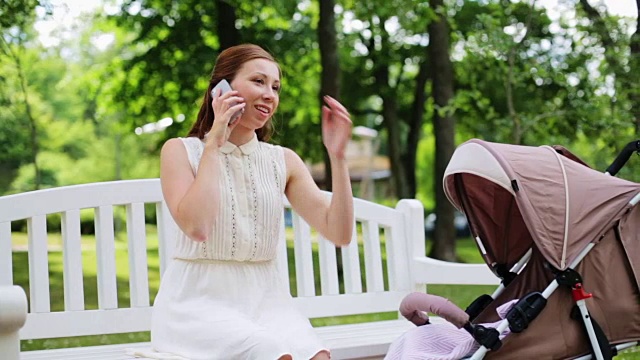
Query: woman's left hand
336, 127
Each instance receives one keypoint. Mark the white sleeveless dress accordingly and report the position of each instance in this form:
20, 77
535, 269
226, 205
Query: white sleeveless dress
226, 298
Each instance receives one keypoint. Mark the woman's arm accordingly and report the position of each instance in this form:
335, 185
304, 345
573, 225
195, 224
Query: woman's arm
192, 200
333, 219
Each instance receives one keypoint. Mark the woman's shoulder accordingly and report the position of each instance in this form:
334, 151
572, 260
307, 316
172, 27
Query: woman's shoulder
288, 152
173, 144
291, 158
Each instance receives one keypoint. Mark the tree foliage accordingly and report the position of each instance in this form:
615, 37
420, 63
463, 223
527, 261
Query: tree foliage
68, 112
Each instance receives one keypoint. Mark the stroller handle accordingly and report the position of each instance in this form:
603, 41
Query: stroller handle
623, 157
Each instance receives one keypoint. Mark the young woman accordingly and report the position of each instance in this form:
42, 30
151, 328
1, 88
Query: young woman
221, 296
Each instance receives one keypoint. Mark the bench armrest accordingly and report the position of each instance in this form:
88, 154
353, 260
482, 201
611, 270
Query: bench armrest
13, 314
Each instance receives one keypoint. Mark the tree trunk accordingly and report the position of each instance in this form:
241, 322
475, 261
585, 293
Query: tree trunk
330, 79
634, 64
390, 114
443, 125
228, 35
391, 121
415, 129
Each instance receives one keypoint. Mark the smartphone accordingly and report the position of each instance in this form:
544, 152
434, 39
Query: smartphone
225, 87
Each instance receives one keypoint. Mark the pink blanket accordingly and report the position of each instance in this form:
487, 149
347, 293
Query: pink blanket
441, 341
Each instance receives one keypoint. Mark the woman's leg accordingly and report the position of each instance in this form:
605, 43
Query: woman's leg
322, 355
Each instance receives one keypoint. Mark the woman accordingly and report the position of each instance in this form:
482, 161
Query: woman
221, 297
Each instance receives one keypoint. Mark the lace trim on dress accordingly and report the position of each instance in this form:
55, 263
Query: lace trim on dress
234, 225
204, 250
255, 208
198, 149
276, 174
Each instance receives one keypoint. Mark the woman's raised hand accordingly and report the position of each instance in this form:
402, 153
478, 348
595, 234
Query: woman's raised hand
224, 107
336, 127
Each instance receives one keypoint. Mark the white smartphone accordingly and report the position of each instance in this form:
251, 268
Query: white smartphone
224, 86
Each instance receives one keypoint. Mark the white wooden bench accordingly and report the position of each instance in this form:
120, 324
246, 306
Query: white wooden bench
372, 283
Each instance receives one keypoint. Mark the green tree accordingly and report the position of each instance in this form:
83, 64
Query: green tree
386, 53
444, 129
331, 77
14, 43
168, 64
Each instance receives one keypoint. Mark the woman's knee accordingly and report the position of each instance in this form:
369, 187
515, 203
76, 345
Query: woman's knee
322, 355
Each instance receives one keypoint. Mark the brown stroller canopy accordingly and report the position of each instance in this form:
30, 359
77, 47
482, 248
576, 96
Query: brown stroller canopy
513, 195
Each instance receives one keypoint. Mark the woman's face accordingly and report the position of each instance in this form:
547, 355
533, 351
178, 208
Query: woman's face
258, 82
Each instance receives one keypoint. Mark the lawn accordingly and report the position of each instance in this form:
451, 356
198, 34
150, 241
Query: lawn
461, 295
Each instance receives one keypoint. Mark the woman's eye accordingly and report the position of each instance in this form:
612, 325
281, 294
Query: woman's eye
259, 81
276, 88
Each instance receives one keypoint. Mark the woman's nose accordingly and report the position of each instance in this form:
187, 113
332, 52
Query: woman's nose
269, 94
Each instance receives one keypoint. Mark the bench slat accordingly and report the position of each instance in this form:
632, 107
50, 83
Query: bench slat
6, 261
167, 231
351, 266
103, 352
88, 322
395, 269
106, 253
350, 304
413, 229
72, 254
372, 256
57, 200
305, 282
138, 267
38, 264
398, 266
329, 284
428, 271
366, 210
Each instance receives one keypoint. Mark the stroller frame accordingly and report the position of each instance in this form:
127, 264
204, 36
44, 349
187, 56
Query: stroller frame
504, 324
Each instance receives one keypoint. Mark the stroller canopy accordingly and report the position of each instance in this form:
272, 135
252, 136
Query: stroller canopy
515, 196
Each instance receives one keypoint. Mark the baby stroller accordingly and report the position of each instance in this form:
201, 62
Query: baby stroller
565, 241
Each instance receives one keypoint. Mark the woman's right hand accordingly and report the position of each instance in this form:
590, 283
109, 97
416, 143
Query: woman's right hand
224, 107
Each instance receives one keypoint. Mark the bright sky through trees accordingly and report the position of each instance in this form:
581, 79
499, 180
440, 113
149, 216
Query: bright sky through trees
66, 13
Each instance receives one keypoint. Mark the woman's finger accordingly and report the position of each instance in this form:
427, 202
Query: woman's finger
326, 113
335, 104
225, 95
234, 117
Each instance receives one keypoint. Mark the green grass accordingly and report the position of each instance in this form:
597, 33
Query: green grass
461, 295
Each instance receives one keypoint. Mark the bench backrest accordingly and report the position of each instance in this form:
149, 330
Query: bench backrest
374, 268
